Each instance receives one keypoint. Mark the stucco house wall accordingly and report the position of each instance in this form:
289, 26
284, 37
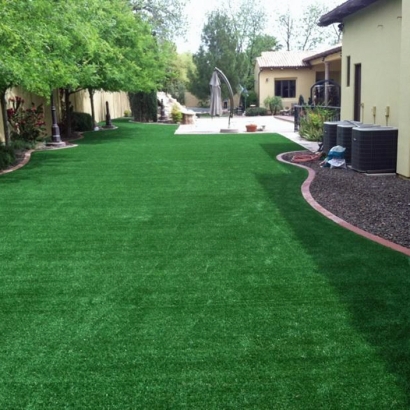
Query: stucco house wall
266, 78
372, 38
303, 67
376, 35
403, 163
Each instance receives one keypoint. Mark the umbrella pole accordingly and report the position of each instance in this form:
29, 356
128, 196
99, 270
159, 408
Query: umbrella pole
223, 76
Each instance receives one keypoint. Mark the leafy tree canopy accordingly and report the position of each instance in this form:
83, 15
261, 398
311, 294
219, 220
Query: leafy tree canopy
75, 44
303, 33
231, 41
165, 16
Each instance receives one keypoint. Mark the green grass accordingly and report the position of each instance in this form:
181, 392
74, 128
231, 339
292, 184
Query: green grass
152, 271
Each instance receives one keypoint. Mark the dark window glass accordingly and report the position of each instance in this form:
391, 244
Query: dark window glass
285, 88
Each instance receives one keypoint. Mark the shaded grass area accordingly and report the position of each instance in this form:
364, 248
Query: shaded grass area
147, 270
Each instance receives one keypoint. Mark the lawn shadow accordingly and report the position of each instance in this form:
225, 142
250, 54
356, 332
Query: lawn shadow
372, 281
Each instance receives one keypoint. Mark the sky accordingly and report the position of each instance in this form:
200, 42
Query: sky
196, 11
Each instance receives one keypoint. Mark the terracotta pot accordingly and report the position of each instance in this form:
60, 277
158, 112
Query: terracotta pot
251, 127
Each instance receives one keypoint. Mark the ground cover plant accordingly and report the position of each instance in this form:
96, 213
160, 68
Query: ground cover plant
153, 271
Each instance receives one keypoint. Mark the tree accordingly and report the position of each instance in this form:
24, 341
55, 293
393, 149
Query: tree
303, 33
248, 20
287, 23
22, 49
165, 16
74, 45
167, 21
231, 41
218, 49
118, 52
310, 34
130, 59
260, 43
144, 106
177, 76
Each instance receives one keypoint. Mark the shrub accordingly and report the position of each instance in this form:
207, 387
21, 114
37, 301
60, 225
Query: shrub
22, 145
274, 104
254, 111
127, 113
176, 114
311, 122
144, 106
82, 121
252, 98
26, 124
7, 156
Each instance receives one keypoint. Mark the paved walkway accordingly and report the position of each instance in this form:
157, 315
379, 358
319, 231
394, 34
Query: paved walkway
283, 126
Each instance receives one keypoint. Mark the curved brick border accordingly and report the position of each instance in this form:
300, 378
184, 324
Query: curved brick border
309, 199
27, 156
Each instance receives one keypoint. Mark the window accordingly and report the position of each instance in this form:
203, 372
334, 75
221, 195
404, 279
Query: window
285, 88
348, 71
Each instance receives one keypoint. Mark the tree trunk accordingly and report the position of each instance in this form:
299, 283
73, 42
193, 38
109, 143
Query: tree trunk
68, 128
6, 127
91, 92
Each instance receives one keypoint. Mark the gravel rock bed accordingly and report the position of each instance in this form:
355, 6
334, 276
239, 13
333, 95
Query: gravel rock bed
379, 204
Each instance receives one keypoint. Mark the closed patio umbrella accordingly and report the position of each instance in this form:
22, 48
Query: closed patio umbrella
216, 99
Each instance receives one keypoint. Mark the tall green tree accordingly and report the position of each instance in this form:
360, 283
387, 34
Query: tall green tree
231, 40
74, 45
259, 44
168, 21
218, 49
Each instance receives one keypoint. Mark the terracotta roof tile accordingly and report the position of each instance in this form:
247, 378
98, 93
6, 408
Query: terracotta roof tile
284, 58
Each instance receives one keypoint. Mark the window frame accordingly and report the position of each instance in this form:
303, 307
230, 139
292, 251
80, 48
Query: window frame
290, 86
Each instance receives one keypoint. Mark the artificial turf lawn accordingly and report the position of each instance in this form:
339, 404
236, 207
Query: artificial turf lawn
147, 270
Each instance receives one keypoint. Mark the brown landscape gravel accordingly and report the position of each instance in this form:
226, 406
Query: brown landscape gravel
378, 204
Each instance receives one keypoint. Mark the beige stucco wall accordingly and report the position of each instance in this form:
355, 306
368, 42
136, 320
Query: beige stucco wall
403, 163
335, 66
265, 83
193, 101
118, 103
373, 38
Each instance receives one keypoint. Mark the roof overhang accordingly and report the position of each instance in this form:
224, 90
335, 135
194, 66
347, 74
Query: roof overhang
334, 50
338, 14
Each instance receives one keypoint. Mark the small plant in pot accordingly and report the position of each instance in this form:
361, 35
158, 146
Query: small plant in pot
251, 127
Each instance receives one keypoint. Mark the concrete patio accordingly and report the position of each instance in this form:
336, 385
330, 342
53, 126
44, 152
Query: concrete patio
269, 124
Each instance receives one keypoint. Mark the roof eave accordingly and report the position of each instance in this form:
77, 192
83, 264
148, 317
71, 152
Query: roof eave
284, 67
346, 9
326, 53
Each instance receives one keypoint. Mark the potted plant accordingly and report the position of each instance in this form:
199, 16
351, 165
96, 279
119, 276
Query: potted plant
251, 127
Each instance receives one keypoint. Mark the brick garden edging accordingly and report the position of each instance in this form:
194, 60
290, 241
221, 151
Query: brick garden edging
27, 156
310, 200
